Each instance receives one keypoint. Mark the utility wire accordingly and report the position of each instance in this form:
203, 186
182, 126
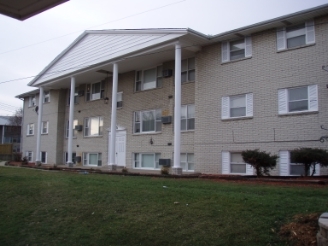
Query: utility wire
84, 65
123, 18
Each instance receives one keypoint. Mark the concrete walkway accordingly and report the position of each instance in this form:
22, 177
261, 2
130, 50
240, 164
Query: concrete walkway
2, 163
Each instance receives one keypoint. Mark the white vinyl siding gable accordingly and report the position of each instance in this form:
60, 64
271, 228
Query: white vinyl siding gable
244, 49
228, 105
283, 35
285, 101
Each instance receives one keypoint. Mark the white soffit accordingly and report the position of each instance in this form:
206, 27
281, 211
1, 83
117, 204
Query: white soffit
94, 47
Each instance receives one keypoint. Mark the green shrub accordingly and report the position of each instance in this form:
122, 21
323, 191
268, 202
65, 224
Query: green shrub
261, 161
309, 157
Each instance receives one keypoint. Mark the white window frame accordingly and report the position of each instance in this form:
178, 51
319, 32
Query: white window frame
309, 30
29, 155
75, 123
46, 157
73, 157
32, 101
187, 163
226, 50
139, 79
137, 161
285, 164
87, 122
30, 129
90, 95
46, 97
226, 164
283, 100
119, 99
188, 70
86, 159
44, 127
226, 108
157, 121
187, 119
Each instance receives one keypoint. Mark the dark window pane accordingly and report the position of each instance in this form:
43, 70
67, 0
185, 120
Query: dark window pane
237, 112
191, 75
238, 168
138, 86
191, 124
237, 54
296, 42
298, 93
183, 124
297, 170
183, 77
298, 106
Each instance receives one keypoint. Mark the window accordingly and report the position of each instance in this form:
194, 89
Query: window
46, 97
149, 79
298, 99
296, 36
235, 50
187, 162
119, 100
147, 121
146, 160
43, 157
187, 117
75, 123
92, 159
237, 164
188, 70
29, 156
293, 169
31, 101
237, 106
95, 91
30, 129
44, 127
233, 163
76, 96
93, 126
73, 157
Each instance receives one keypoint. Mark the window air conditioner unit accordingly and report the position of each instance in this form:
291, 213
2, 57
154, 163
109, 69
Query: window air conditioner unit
166, 120
81, 93
78, 128
165, 162
167, 73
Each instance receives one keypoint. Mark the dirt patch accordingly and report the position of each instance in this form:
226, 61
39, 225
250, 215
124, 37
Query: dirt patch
302, 231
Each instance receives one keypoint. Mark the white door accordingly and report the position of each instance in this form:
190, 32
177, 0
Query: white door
120, 147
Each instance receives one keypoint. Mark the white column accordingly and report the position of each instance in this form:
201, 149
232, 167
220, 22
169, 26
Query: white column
112, 164
38, 130
70, 123
177, 111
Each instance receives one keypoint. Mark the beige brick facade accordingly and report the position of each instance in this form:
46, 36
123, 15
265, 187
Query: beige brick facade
263, 74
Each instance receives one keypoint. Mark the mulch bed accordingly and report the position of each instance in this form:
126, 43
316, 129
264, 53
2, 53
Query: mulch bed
302, 230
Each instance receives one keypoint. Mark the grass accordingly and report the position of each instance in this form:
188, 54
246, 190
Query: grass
58, 208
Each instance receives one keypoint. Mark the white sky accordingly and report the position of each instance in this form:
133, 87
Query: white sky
27, 47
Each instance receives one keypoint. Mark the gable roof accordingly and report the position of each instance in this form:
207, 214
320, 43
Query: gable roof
96, 47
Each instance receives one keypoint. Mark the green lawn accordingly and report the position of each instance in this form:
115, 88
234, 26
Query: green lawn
60, 208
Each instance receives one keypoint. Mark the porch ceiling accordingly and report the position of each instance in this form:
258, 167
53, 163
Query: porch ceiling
140, 61
23, 9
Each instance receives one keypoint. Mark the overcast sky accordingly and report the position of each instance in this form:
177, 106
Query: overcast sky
28, 46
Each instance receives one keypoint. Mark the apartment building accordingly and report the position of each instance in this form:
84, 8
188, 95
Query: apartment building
151, 97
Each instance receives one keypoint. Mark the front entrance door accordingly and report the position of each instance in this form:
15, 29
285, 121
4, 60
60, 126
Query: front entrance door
120, 147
